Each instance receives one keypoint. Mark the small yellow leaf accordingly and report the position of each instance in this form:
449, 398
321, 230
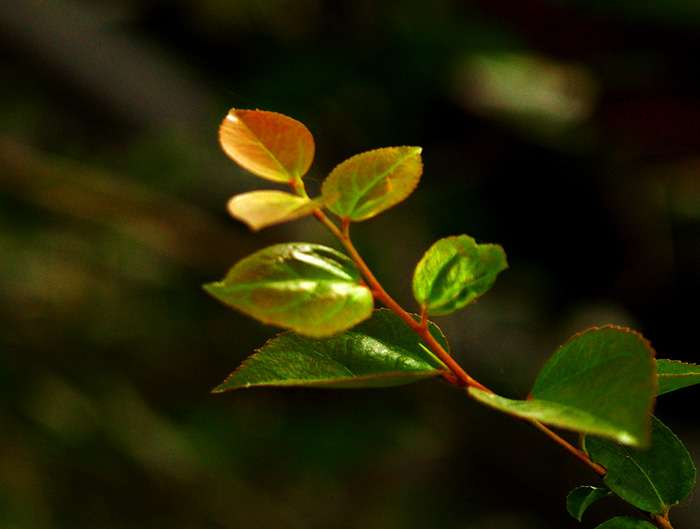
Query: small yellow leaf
260, 209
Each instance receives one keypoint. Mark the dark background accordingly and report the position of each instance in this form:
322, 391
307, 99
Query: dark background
564, 130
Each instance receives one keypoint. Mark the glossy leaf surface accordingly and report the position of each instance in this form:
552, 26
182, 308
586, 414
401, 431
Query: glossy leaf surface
601, 381
260, 209
381, 351
269, 145
553, 414
454, 272
625, 522
675, 375
651, 479
308, 288
609, 371
367, 184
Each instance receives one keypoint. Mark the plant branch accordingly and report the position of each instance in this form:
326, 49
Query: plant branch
571, 449
420, 328
457, 376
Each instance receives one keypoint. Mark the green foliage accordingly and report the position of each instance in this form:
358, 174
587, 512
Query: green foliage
580, 498
311, 289
454, 272
381, 351
369, 183
675, 375
652, 479
601, 383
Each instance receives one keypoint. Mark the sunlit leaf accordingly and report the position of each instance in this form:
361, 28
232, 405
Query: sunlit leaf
625, 522
308, 288
381, 351
651, 479
581, 498
675, 375
553, 414
269, 145
602, 381
609, 371
374, 181
454, 272
260, 209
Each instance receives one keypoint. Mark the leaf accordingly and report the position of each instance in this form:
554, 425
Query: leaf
367, 184
673, 375
609, 371
381, 351
260, 209
651, 479
580, 498
601, 381
625, 522
308, 288
454, 272
269, 145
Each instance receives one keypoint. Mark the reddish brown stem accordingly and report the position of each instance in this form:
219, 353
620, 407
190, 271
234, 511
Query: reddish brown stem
456, 376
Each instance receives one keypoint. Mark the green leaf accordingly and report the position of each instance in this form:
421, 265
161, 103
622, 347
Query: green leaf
580, 498
367, 184
675, 375
609, 371
625, 522
381, 351
269, 145
454, 272
601, 381
260, 209
308, 288
651, 479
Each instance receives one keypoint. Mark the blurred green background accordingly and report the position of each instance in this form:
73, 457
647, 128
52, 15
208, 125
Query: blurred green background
565, 130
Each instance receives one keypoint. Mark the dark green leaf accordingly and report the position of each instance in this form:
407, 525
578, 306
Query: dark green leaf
651, 479
601, 381
579, 499
367, 184
308, 288
625, 522
675, 375
609, 372
381, 351
454, 272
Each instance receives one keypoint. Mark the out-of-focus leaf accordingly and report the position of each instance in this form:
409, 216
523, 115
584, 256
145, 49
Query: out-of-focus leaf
260, 209
601, 381
367, 184
652, 478
581, 498
269, 145
308, 288
381, 351
454, 272
673, 375
625, 522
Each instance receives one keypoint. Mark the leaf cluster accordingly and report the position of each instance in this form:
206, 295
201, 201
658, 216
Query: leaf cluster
602, 383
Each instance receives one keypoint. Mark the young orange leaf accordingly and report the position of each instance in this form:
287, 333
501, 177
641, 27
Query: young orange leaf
269, 145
